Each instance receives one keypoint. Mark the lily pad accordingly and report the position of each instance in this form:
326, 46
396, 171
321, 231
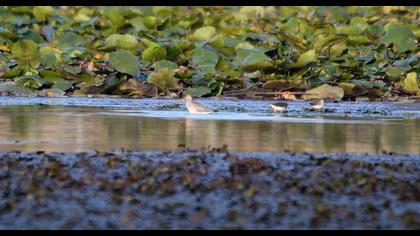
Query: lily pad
50, 56
164, 79
357, 26
324, 91
125, 62
122, 41
164, 64
17, 90
304, 59
205, 60
41, 12
26, 53
252, 60
280, 85
154, 53
197, 91
137, 88
400, 36
205, 33
410, 83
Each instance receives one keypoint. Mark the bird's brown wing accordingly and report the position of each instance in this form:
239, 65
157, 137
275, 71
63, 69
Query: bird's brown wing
280, 104
201, 108
314, 102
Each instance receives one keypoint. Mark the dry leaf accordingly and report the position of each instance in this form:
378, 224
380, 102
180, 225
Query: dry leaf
288, 95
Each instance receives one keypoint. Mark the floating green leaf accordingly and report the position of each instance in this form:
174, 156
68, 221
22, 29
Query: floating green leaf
115, 16
68, 39
325, 91
400, 36
197, 91
164, 64
26, 53
252, 60
125, 62
122, 41
304, 59
154, 53
50, 56
357, 26
164, 79
17, 90
410, 83
365, 50
205, 60
205, 33
41, 12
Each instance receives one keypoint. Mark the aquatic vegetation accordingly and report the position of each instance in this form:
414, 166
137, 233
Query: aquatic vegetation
209, 51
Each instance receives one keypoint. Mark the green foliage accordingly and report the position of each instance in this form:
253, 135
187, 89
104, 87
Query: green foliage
26, 52
164, 64
213, 48
164, 79
410, 83
325, 91
125, 62
122, 41
197, 91
154, 53
401, 36
205, 60
205, 33
50, 56
41, 12
252, 60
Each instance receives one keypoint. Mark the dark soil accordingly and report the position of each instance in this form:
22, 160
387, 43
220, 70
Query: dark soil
214, 189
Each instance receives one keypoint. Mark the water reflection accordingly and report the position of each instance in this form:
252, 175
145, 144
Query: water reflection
54, 128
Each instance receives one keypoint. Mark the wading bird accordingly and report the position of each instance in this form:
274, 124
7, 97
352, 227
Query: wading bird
317, 104
279, 106
196, 108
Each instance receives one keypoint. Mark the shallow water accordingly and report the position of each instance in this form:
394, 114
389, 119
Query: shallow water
72, 128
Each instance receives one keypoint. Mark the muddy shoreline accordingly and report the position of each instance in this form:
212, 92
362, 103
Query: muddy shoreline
213, 189
298, 107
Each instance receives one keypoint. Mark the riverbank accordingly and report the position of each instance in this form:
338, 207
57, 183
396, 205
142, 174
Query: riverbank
213, 189
297, 107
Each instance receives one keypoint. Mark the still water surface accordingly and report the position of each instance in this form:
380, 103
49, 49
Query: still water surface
65, 128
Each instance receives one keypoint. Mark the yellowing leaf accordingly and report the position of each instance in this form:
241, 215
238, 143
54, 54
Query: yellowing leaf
205, 33
154, 53
163, 79
41, 12
4, 48
410, 83
288, 95
253, 11
26, 52
304, 59
347, 87
123, 41
357, 26
324, 91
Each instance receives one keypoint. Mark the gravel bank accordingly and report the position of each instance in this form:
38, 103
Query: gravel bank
214, 189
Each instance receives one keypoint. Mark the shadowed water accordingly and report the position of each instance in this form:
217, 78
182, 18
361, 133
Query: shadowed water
64, 128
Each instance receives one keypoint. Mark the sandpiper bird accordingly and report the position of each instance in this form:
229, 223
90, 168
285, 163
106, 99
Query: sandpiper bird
196, 108
317, 104
279, 106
